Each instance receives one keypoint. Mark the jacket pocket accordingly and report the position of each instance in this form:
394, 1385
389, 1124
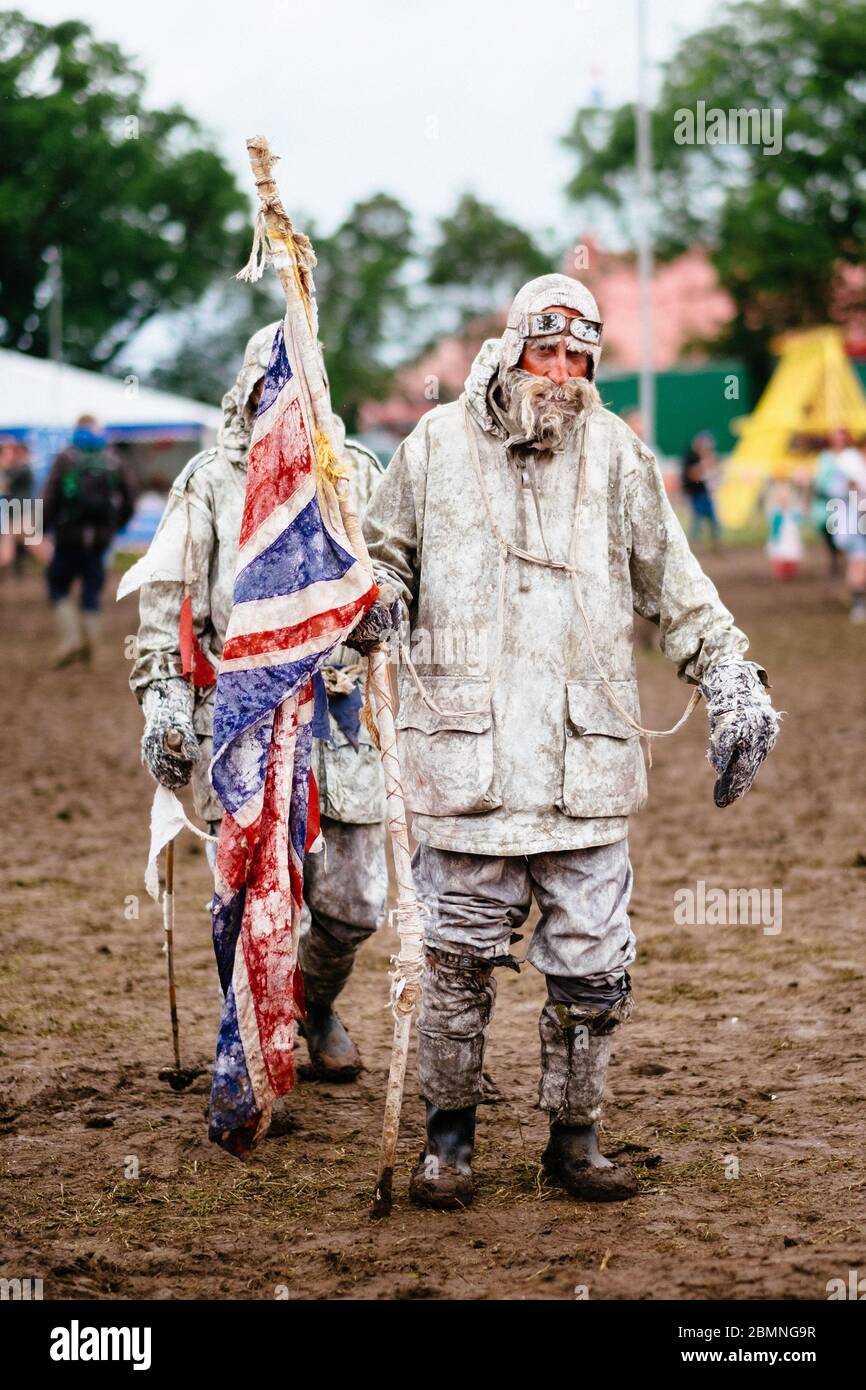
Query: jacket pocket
447, 759
604, 773
350, 781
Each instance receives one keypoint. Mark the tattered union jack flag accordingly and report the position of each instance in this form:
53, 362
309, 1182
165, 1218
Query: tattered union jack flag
298, 592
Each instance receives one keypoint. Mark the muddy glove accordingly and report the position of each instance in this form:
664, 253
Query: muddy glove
169, 747
743, 726
380, 620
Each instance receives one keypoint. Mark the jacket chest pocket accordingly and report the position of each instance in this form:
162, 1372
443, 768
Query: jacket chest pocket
446, 758
604, 773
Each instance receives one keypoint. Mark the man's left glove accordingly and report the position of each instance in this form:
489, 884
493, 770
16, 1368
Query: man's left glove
169, 748
378, 621
743, 725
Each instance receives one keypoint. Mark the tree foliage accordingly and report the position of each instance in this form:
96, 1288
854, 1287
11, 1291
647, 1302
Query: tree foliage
484, 256
364, 301
778, 227
144, 212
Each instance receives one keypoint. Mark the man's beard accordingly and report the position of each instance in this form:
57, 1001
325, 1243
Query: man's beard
542, 413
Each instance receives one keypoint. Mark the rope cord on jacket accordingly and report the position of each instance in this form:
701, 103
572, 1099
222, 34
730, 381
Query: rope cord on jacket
506, 548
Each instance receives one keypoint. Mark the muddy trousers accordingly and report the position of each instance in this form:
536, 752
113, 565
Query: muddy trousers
582, 943
344, 892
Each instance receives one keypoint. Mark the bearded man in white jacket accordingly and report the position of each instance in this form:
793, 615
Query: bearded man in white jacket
521, 527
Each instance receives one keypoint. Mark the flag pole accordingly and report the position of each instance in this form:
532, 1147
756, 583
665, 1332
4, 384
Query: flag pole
292, 257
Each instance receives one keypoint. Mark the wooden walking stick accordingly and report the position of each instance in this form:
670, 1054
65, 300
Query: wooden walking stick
178, 1077
408, 963
293, 259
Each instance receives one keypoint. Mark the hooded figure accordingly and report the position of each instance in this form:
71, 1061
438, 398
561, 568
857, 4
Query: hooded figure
89, 496
198, 539
522, 526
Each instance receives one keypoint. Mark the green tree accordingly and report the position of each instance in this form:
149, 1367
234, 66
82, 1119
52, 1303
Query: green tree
144, 212
778, 226
484, 257
363, 296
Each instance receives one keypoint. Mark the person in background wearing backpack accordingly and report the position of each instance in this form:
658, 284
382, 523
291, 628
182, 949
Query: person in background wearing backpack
89, 496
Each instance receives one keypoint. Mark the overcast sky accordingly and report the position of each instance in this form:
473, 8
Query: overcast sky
423, 100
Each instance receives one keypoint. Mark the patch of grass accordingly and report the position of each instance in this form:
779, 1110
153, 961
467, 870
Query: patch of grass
676, 1129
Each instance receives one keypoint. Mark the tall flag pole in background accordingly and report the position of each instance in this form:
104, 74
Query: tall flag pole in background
303, 581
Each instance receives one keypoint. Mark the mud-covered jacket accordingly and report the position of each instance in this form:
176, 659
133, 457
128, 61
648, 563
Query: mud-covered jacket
544, 761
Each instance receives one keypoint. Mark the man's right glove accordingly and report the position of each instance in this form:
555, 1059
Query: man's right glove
169, 748
380, 620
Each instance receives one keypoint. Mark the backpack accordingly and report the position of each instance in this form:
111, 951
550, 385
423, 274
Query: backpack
88, 490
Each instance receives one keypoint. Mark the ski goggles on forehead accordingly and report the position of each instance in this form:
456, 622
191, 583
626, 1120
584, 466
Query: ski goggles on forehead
543, 325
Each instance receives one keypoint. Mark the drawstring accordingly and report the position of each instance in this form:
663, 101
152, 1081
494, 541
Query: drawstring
533, 483
506, 549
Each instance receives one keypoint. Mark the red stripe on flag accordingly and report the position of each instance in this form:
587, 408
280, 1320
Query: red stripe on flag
267, 936
314, 824
288, 638
277, 465
232, 854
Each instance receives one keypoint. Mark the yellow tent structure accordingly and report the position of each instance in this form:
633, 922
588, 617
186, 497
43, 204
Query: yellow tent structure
813, 390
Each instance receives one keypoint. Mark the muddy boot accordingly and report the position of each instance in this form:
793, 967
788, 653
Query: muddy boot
71, 642
576, 1043
326, 955
443, 1178
333, 1055
90, 623
573, 1159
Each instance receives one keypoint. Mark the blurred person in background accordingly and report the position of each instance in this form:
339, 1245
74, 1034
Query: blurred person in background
698, 469
89, 497
7, 537
852, 471
16, 487
829, 485
785, 517
842, 469
345, 888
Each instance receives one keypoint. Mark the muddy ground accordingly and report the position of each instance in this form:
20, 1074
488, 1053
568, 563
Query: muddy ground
738, 1088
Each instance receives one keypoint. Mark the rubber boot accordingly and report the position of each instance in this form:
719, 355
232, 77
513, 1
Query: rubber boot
333, 1055
91, 623
326, 955
574, 1064
71, 643
574, 1161
443, 1177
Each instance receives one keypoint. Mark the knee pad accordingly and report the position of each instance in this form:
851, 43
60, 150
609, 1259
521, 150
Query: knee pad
598, 1008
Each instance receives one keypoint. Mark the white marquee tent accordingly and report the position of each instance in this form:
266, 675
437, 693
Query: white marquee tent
36, 394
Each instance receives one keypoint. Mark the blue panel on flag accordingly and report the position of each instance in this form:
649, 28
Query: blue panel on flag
279, 372
304, 554
232, 1101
